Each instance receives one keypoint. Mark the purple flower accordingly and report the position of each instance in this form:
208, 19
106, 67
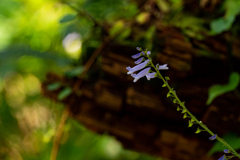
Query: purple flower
162, 67
222, 158
138, 48
140, 74
137, 67
137, 55
151, 75
148, 52
226, 151
213, 137
139, 60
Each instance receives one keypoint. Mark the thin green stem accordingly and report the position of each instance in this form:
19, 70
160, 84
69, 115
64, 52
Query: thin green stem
189, 113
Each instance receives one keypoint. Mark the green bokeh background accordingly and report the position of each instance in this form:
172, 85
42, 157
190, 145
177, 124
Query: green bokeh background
31, 45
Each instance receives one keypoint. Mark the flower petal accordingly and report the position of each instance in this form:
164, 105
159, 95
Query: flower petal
222, 158
133, 75
137, 55
226, 151
128, 68
137, 67
151, 75
148, 52
139, 60
138, 48
163, 67
141, 74
213, 137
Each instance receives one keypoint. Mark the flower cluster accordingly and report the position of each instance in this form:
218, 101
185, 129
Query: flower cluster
142, 62
225, 150
146, 68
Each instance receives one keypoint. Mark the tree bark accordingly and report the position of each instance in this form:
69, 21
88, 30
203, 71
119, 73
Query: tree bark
140, 116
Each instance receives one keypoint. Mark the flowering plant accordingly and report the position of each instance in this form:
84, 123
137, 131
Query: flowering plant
148, 69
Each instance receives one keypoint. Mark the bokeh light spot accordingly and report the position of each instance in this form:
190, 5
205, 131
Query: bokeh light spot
72, 44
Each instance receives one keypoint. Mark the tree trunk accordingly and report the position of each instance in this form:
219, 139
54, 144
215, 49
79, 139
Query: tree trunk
140, 116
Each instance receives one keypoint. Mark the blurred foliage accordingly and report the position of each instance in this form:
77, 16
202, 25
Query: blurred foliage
217, 90
37, 37
232, 10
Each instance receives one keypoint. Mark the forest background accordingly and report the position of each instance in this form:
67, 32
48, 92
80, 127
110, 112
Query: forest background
57, 36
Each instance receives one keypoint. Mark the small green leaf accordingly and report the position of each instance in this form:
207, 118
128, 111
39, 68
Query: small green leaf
163, 5
190, 124
64, 93
198, 131
217, 90
222, 24
174, 101
124, 34
178, 108
116, 28
192, 120
169, 94
184, 111
75, 72
185, 115
183, 103
53, 86
164, 85
167, 78
67, 18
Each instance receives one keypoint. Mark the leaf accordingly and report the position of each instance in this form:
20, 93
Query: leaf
198, 131
167, 78
217, 90
75, 72
221, 24
164, 85
231, 138
178, 108
232, 8
183, 103
185, 115
169, 94
143, 17
124, 34
191, 25
150, 33
192, 120
174, 101
116, 28
64, 93
190, 124
184, 111
163, 5
53, 86
67, 18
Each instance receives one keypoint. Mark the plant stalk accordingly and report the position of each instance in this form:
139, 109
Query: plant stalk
190, 114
